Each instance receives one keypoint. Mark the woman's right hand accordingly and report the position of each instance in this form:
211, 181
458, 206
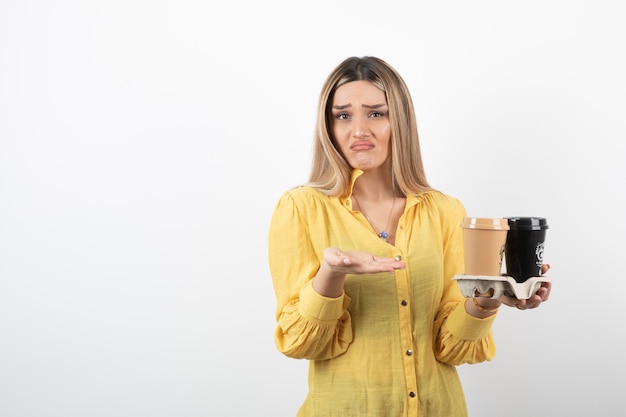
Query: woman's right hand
337, 263
359, 262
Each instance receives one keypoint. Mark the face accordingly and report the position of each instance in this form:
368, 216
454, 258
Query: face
360, 124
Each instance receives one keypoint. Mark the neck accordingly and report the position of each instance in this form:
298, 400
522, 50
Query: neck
375, 184
374, 190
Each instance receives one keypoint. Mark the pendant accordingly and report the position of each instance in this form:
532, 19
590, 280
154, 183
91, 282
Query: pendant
383, 235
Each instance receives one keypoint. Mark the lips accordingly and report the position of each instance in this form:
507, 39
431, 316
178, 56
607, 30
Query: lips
362, 145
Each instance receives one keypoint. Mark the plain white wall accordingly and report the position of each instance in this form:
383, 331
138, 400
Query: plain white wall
143, 145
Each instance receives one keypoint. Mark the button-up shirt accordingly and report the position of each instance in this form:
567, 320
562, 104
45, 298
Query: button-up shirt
389, 345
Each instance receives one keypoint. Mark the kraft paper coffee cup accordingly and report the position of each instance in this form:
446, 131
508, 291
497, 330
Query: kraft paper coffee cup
524, 247
484, 239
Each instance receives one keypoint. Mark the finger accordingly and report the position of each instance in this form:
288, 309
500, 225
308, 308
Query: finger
531, 304
534, 301
359, 264
336, 257
381, 259
332, 253
545, 268
541, 293
545, 290
397, 264
509, 301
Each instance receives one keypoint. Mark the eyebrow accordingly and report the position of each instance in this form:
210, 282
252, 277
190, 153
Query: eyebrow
367, 106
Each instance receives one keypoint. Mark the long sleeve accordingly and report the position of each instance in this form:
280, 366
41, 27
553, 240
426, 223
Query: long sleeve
461, 338
308, 325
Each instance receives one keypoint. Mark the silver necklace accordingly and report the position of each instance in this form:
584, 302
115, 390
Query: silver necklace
383, 235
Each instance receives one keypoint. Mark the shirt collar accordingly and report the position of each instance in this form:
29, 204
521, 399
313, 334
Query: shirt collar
356, 173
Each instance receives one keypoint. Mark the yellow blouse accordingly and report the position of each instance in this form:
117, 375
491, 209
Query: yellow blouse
389, 345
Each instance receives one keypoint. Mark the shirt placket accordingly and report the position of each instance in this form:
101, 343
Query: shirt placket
406, 331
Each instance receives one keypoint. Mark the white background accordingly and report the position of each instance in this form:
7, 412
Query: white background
143, 145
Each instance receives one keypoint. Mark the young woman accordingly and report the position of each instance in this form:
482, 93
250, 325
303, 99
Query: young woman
362, 259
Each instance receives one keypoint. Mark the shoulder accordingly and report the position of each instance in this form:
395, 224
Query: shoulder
444, 209
442, 202
302, 197
303, 194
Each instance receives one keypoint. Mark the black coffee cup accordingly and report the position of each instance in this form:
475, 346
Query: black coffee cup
523, 250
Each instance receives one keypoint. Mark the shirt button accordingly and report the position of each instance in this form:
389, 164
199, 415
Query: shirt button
409, 352
404, 302
412, 394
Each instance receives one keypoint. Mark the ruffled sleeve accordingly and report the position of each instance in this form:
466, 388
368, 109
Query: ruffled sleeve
464, 338
459, 337
309, 325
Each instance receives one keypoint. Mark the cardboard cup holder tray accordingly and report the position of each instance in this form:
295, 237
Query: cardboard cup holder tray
494, 287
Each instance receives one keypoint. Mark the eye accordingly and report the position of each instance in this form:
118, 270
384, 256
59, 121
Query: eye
341, 116
376, 114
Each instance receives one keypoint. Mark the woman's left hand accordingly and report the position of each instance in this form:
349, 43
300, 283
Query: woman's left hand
542, 295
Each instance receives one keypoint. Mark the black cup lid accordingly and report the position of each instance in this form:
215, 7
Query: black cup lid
527, 223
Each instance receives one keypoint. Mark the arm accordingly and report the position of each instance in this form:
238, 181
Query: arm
312, 312
463, 332
309, 325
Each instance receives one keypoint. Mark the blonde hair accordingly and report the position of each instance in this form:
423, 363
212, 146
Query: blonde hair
330, 172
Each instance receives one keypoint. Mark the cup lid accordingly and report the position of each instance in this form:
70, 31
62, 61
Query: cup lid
486, 223
527, 223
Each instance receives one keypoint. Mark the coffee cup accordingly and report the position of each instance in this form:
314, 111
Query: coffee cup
484, 240
524, 247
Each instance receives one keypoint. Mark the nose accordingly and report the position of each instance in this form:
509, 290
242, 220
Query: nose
360, 128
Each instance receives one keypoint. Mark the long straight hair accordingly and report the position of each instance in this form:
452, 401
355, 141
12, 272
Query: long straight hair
330, 172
